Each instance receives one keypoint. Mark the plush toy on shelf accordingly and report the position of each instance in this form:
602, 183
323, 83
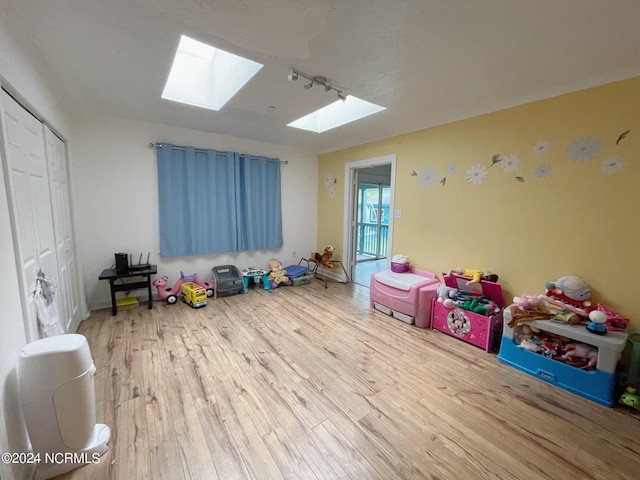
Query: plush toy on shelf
324, 258
571, 290
476, 275
277, 275
527, 302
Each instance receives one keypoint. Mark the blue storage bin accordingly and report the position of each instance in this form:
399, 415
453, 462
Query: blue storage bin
596, 385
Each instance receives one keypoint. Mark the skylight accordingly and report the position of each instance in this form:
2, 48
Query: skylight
205, 76
336, 114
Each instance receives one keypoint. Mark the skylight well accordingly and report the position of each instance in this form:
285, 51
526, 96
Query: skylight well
205, 76
336, 114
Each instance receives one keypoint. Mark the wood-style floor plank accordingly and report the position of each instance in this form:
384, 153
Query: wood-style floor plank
310, 383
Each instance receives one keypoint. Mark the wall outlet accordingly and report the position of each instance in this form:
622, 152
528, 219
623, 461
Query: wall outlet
293, 254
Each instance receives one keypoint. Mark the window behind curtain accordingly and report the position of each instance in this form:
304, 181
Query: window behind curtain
214, 202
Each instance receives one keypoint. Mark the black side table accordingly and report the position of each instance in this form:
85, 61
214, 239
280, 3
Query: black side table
111, 275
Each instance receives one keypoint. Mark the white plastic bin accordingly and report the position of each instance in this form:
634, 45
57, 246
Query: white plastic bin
58, 401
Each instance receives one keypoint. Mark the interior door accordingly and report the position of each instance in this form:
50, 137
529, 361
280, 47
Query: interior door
68, 303
30, 201
373, 221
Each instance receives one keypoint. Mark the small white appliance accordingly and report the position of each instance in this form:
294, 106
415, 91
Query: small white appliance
58, 402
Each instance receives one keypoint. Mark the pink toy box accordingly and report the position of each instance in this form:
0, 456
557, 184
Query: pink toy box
406, 296
471, 327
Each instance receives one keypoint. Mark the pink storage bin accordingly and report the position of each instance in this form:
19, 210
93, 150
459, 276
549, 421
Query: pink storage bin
406, 297
399, 267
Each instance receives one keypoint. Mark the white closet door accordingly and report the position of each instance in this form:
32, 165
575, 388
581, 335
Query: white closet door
68, 304
30, 200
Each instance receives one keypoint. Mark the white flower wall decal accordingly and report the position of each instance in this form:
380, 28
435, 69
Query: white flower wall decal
541, 147
427, 177
510, 163
584, 148
542, 171
329, 180
612, 165
476, 174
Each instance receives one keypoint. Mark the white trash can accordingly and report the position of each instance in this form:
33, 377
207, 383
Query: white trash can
58, 401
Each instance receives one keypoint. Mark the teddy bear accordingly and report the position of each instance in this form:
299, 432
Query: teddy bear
277, 275
324, 259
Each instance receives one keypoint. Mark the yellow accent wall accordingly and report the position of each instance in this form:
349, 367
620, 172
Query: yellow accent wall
563, 197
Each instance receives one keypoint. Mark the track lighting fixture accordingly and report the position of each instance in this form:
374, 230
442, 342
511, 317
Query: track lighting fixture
295, 74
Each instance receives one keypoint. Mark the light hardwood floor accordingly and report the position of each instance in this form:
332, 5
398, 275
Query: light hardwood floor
309, 383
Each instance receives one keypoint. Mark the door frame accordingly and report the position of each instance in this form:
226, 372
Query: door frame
350, 206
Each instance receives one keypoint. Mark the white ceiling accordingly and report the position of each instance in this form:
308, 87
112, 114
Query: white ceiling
428, 61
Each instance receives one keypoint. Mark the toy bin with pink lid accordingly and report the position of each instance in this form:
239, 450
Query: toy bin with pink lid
471, 327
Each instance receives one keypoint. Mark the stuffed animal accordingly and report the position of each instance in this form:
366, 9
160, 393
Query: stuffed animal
530, 344
572, 290
324, 259
476, 275
630, 398
527, 302
278, 275
445, 292
522, 332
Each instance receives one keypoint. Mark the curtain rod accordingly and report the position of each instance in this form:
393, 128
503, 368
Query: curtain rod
202, 150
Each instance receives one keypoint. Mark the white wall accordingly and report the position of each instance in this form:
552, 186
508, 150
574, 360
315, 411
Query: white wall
113, 172
24, 72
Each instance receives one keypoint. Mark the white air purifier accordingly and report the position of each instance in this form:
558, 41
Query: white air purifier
58, 402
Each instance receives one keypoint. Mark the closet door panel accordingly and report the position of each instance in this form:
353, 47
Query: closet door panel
31, 204
61, 207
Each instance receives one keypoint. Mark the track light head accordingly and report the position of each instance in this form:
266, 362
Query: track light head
293, 76
327, 87
307, 86
342, 96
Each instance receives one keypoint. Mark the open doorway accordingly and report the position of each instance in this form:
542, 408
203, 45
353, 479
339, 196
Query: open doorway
368, 216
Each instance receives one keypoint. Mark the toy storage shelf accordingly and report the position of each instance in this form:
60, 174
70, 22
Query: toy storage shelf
596, 385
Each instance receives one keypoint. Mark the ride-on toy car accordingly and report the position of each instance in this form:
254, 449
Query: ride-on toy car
171, 294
